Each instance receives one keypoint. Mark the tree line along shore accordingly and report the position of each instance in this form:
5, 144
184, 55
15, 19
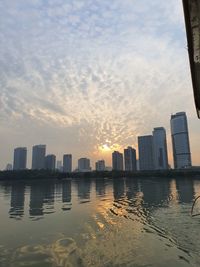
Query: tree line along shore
46, 174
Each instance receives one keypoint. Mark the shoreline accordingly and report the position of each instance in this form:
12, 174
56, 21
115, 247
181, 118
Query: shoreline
56, 175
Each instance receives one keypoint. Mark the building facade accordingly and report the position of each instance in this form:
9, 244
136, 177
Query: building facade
50, 162
160, 149
100, 165
180, 141
67, 163
38, 157
130, 159
146, 157
84, 165
117, 161
20, 158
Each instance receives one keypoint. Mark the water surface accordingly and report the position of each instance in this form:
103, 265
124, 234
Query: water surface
99, 222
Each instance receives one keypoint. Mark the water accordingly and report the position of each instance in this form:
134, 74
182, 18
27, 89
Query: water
99, 222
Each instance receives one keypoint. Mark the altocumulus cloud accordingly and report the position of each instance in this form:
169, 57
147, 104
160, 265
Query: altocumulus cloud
100, 72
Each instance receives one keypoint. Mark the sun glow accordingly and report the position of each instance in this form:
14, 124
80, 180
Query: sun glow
105, 148
108, 147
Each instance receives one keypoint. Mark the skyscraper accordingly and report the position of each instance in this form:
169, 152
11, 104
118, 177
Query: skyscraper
117, 161
84, 165
50, 162
20, 158
160, 149
130, 159
38, 157
180, 141
145, 146
100, 165
67, 163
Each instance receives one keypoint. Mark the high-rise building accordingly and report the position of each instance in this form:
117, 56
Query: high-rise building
145, 147
67, 163
160, 149
100, 165
38, 157
50, 162
20, 158
84, 165
130, 159
117, 161
180, 141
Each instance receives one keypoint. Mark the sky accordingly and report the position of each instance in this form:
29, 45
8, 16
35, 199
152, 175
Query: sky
88, 76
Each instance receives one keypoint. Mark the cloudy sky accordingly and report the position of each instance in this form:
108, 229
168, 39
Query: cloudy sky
88, 76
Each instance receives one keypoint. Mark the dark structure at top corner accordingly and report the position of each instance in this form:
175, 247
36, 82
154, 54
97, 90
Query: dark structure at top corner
192, 22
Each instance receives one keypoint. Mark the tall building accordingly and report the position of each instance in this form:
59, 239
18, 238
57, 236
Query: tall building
67, 163
146, 158
38, 157
100, 165
180, 141
84, 165
130, 159
20, 158
160, 149
50, 162
117, 161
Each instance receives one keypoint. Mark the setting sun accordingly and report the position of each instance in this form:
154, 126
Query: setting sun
105, 148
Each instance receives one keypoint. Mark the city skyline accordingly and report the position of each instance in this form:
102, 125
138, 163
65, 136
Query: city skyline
88, 77
152, 153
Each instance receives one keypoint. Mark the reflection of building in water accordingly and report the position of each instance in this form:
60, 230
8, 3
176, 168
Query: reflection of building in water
118, 188
185, 188
40, 194
66, 194
155, 191
83, 188
17, 200
132, 187
100, 186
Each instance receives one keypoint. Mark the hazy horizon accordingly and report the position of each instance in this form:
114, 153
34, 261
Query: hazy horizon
88, 77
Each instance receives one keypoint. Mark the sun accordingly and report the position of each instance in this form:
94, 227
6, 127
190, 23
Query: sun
104, 148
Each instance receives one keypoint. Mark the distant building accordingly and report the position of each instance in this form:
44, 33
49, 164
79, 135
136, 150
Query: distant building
130, 159
38, 157
160, 149
84, 165
100, 165
8, 167
50, 162
20, 158
180, 141
117, 161
145, 147
59, 166
67, 163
